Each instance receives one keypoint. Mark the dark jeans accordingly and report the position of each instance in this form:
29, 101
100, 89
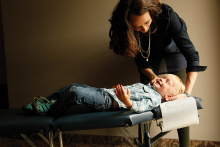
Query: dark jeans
75, 94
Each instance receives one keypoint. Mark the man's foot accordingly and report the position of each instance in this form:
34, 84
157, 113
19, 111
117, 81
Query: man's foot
43, 108
29, 107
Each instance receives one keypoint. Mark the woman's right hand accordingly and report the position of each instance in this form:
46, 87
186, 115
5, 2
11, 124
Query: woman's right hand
150, 74
153, 81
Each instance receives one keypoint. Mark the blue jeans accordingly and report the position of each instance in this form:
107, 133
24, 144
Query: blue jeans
75, 94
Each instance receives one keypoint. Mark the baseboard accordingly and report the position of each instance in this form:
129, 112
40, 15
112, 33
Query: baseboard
73, 140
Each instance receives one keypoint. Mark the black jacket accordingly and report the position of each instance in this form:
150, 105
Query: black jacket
171, 37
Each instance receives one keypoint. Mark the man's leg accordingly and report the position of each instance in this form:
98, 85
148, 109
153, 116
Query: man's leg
92, 97
57, 94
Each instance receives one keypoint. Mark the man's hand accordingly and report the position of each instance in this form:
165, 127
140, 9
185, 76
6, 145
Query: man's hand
123, 96
179, 96
115, 86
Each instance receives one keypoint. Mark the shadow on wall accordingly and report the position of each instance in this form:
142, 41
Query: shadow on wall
105, 70
101, 68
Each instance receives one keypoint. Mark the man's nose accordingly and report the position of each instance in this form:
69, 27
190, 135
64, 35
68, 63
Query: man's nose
158, 80
161, 79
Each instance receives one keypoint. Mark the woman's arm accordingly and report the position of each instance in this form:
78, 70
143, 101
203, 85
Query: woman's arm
150, 74
178, 31
190, 81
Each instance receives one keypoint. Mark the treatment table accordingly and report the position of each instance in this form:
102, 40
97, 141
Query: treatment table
16, 121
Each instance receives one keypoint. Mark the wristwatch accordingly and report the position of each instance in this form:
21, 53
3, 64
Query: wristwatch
187, 94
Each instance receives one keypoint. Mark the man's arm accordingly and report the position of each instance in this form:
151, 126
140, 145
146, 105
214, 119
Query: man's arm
123, 96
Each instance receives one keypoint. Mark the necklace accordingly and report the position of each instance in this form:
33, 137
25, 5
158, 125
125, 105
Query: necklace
148, 50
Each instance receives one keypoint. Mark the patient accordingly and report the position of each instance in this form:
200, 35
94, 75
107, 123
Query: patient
137, 97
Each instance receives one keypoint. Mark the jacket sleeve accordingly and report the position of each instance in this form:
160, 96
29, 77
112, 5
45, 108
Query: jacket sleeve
178, 31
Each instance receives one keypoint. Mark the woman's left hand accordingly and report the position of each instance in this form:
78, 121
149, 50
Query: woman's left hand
179, 96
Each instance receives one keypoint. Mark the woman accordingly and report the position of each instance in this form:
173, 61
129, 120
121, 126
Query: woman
156, 37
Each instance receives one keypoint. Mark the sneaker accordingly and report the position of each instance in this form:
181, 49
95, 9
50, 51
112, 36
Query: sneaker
29, 108
43, 108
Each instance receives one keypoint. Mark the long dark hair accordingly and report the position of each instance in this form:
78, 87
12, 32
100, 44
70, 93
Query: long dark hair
122, 35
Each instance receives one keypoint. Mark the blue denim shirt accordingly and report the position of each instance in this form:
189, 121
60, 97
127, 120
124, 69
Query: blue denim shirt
144, 97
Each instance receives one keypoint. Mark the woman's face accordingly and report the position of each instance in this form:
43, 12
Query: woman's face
141, 23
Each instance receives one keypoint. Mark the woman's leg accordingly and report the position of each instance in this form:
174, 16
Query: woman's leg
183, 133
181, 74
94, 98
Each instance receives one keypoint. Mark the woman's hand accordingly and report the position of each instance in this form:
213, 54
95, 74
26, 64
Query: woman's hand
153, 81
123, 96
150, 74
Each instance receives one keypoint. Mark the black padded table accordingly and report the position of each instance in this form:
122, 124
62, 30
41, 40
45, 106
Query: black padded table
99, 120
81, 119
17, 121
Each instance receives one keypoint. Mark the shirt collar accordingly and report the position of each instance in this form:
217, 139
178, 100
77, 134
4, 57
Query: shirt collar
153, 87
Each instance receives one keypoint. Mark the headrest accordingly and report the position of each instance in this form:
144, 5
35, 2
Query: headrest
157, 112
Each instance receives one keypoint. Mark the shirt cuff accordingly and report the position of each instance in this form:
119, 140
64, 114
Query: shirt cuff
134, 106
195, 68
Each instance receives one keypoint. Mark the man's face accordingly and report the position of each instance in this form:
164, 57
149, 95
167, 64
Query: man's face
165, 85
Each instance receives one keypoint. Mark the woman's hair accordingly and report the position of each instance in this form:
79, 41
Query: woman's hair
122, 35
179, 87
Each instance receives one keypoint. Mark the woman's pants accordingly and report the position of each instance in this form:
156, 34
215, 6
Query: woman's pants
75, 94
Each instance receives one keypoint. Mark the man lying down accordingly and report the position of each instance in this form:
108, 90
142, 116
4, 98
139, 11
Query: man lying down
138, 97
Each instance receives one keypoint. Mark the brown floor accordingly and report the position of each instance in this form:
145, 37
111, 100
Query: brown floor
71, 140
